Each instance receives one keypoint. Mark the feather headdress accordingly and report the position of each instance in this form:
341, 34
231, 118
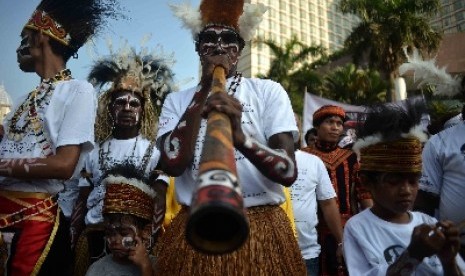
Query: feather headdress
243, 18
145, 73
72, 22
127, 192
427, 72
390, 138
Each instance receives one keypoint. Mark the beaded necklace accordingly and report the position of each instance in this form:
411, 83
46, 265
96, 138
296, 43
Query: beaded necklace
235, 83
103, 156
34, 102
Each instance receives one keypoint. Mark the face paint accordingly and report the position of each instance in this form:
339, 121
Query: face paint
127, 109
23, 52
219, 41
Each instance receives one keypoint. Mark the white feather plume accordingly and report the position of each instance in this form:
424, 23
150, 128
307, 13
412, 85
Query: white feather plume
366, 142
427, 72
189, 16
416, 132
250, 19
116, 179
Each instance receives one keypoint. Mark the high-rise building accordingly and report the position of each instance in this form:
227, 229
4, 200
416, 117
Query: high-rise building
314, 22
452, 17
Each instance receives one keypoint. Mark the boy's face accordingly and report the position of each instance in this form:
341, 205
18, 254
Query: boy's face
394, 193
120, 238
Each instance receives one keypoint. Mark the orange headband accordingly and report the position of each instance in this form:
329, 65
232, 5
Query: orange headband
328, 110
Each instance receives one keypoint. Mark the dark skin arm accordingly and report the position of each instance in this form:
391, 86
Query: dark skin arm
441, 239
333, 220
78, 216
280, 147
58, 166
160, 188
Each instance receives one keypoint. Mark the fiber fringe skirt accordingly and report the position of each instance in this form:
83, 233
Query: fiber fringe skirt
271, 249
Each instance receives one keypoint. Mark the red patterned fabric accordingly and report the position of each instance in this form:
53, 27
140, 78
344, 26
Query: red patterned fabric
31, 242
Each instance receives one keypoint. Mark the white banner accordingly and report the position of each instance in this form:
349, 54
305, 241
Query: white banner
312, 103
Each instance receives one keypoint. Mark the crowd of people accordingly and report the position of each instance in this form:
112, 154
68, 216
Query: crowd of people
99, 177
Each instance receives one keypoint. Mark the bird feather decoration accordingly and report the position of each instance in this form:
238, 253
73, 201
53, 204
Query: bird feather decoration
426, 72
190, 17
250, 19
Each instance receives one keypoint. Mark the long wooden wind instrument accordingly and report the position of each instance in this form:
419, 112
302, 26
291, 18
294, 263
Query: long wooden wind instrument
217, 222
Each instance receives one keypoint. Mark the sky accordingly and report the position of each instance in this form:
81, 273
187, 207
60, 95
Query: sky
146, 18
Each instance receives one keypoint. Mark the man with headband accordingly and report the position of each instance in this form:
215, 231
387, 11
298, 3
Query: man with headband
342, 167
47, 135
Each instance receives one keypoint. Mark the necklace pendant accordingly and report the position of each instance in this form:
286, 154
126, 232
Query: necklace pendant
18, 137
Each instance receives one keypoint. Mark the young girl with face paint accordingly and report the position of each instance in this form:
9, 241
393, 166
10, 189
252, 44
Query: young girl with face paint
125, 132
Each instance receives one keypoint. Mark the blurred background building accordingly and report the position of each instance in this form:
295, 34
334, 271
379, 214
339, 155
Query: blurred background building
314, 22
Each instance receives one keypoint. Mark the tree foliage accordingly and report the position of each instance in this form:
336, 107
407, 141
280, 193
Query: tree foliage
386, 26
291, 68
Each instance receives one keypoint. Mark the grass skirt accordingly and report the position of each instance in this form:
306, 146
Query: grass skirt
271, 249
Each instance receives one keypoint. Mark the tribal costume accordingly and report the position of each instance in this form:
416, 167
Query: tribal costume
342, 166
133, 77
271, 247
128, 211
60, 112
380, 240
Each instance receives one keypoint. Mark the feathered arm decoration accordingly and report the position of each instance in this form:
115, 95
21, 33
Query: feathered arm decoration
427, 72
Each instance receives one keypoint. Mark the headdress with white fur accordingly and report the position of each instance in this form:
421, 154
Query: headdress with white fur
427, 72
127, 192
146, 73
390, 139
243, 18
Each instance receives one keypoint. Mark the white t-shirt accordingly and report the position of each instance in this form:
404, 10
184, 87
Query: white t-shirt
372, 244
68, 119
266, 111
114, 152
443, 172
68, 196
312, 184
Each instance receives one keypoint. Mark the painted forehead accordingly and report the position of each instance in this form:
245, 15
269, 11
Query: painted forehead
218, 29
126, 95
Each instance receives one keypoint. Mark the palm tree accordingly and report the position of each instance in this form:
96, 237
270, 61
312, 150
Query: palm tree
355, 86
386, 26
291, 69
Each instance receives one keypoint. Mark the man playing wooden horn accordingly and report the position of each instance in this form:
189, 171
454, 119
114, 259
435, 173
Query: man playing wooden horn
263, 132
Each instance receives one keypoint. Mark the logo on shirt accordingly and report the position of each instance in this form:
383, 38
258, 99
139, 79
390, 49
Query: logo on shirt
392, 253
